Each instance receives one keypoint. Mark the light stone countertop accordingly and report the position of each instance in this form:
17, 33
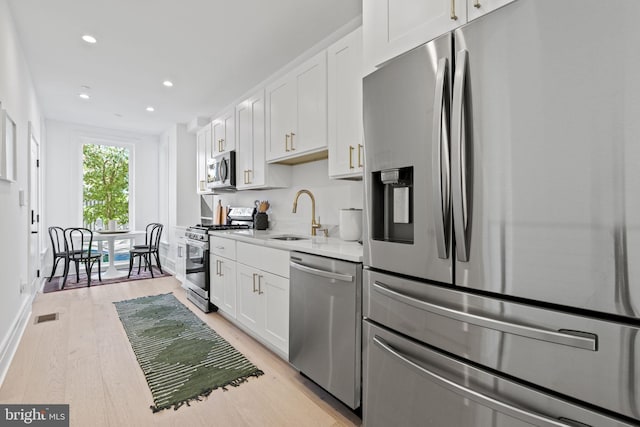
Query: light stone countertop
317, 245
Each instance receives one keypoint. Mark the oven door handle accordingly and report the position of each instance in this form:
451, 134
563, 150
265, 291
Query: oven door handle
197, 244
480, 398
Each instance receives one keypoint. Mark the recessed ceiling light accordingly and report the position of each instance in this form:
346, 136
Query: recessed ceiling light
89, 39
85, 88
84, 95
151, 109
168, 83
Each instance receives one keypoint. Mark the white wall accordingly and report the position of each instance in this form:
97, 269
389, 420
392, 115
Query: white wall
18, 97
331, 196
63, 176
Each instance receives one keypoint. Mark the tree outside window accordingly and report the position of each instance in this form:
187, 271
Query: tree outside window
106, 185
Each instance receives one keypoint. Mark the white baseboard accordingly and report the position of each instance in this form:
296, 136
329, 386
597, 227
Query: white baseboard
10, 342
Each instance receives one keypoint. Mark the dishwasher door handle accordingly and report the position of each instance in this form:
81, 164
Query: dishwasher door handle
322, 273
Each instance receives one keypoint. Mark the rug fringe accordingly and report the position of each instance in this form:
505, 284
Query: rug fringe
205, 393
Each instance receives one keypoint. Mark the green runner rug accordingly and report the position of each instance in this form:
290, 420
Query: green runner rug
181, 357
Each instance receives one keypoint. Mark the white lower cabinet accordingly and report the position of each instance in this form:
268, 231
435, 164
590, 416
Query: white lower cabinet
263, 297
223, 284
263, 305
250, 286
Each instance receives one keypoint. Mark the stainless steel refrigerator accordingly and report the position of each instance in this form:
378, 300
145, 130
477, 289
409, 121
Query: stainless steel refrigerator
502, 222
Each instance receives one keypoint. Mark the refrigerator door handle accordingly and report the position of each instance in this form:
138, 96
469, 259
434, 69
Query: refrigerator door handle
440, 160
458, 163
577, 339
480, 398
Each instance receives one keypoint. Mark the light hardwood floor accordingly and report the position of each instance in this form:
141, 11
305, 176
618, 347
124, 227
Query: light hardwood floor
84, 359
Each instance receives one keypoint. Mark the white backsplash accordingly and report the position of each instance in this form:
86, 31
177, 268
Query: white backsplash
331, 196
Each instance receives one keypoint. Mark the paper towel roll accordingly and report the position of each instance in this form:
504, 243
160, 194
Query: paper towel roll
351, 224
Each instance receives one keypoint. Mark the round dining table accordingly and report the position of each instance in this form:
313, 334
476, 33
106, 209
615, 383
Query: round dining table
111, 236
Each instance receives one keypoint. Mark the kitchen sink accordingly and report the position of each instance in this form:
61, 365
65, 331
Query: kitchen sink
289, 238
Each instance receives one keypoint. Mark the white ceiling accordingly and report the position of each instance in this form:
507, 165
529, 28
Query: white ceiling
213, 51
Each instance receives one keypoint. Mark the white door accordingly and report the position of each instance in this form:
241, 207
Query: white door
275, 292
310, 133
281, 117
392, 27
244, 157
250, 307
228, 271
216, 292
34, 210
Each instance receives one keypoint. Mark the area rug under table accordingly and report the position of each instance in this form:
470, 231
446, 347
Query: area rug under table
182, 358
55, 284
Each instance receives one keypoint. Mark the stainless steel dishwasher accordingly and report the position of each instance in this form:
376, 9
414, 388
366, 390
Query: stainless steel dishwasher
325, 323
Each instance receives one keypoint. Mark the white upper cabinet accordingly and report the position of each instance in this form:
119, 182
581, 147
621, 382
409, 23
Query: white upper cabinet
252, 170
203, 143
344, 72
224, 139
297, 113
477, 8
392, 27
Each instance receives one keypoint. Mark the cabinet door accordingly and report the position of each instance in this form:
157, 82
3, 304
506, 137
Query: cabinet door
477, 8
216, 291
392, 27
229, 139
250, 137
310, 132
228, 272
281, 113
274, 290
250, 307
244, 152
218, 136
180, 262
203, 146
344, 75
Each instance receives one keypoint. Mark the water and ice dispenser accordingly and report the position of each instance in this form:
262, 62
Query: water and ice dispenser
392, 205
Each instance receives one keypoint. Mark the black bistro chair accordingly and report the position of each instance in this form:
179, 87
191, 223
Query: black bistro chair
80, 244
148, 251
60, 251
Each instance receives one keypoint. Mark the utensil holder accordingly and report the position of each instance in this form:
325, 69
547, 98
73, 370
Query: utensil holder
261, 221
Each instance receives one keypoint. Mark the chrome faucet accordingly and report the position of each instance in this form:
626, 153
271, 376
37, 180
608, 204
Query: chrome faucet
314, 224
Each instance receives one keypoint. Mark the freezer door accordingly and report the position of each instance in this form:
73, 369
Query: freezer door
588, 359
406, 115
546, 153
409, 384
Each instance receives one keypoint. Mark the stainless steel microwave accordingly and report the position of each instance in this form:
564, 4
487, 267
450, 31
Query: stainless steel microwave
221, 172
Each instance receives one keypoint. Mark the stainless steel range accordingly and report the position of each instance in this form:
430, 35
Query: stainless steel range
197, 275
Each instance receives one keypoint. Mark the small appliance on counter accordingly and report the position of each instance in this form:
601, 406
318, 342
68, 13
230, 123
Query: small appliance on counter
351, 224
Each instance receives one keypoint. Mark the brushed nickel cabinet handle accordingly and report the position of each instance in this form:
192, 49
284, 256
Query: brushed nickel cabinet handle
249, 172
351, 156
254, 282
286, 142
360, 147
260, 285
221, 270
453, 10
477, 4
292, 135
